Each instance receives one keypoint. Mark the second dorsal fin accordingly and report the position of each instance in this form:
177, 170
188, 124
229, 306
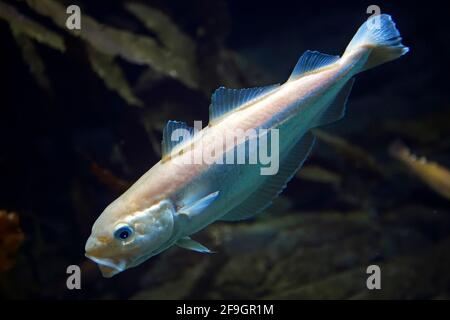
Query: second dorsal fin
225, 100
172, 137
310, 61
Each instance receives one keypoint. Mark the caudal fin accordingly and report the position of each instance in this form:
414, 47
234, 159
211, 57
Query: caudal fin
379, 35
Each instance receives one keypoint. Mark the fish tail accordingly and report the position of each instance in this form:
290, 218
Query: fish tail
380, 36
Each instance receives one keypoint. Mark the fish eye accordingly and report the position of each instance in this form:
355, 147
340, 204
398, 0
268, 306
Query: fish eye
123, 232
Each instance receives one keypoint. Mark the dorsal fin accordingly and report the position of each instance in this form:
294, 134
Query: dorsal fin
171, 138
225, 100
310, 61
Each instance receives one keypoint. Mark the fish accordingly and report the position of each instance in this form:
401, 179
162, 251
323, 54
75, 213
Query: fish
437, 177
180, 196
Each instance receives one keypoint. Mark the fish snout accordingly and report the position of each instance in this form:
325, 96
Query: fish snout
108, 267
92, 246
108, 272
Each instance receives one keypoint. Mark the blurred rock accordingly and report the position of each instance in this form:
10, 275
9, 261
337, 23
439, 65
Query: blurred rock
321, 255
11, 238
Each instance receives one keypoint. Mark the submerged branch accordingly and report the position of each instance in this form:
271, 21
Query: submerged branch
22, 24
137, 49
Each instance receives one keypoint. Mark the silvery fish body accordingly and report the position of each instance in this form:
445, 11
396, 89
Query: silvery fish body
194, 185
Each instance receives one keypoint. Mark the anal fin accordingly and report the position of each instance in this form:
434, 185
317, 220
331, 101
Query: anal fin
336, 110
273, 185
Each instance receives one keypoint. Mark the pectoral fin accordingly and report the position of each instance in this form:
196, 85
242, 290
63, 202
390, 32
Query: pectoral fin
188, 243
198, 206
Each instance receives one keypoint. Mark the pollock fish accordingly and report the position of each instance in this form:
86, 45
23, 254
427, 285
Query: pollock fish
177, 197
434, 175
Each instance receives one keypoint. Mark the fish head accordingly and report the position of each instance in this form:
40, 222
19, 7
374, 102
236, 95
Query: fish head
119, 240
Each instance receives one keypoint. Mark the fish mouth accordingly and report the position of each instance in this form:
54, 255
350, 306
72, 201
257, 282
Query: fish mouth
107, 267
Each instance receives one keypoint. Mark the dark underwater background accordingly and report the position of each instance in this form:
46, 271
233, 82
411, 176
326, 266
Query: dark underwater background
81, 118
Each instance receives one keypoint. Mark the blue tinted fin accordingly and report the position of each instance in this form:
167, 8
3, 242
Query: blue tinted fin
273, 185
225, 100
381, 37
310, 61
174, 133
336, 110
188, 243
198, 206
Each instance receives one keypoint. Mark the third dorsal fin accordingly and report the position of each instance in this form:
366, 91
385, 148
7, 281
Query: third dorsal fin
310, 61
225, 100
